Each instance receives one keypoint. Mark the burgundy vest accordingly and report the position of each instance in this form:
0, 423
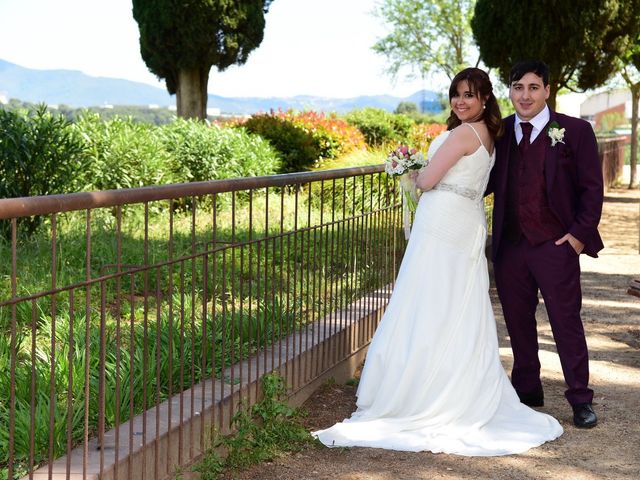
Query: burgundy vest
528, 212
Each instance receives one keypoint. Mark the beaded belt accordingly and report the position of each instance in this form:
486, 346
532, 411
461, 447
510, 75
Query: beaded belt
458, 190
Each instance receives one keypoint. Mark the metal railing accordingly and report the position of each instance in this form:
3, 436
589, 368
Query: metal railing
133, 322
611, 152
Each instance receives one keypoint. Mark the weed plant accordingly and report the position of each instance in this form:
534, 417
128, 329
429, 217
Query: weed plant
262, 432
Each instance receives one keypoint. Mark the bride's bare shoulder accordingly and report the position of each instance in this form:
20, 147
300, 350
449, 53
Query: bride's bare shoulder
470, 137
464, 133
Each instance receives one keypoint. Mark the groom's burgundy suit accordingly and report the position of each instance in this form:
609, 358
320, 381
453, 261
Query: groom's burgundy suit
540, 194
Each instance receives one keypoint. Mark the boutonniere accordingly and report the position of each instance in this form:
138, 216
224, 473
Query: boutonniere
556, 134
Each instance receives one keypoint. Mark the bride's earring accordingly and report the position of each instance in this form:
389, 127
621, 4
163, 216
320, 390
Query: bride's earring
484, 107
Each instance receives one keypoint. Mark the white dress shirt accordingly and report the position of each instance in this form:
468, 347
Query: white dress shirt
538, 122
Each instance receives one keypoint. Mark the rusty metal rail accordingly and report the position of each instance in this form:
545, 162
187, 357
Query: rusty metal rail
133, 322
41, 205
611, 153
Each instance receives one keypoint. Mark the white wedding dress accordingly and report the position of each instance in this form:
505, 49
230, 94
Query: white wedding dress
432, 378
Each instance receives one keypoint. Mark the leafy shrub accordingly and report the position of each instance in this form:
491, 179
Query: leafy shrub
202, 152
123, 154
334, 135
296, 147
39, 155
406, 108
380, 127
402, 125
42, 154
128, 154
305, 139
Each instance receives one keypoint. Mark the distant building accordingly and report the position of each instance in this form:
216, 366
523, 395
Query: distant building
213, 112
4, 99
430, 106
613, 101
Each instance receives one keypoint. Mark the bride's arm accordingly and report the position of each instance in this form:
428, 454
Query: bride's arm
460, 142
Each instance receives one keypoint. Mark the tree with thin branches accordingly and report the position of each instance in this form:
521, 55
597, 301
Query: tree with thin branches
426, 36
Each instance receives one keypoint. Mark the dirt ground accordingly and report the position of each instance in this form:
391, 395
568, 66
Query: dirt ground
609, 451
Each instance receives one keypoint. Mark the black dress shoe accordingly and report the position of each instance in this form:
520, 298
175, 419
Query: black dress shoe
584, 416
532, 399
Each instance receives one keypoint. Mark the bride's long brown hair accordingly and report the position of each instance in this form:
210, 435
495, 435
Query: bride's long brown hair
480, 84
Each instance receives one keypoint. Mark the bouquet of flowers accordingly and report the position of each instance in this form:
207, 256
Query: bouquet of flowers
399, 163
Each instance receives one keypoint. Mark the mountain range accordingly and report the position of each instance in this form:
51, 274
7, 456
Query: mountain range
76, 89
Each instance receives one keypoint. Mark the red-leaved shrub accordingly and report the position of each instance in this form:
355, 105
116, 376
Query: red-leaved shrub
305, 139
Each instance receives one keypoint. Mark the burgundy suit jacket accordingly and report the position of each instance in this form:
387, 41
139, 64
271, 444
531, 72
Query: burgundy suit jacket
573, 176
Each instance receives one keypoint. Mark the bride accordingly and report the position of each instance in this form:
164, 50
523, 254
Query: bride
433, 379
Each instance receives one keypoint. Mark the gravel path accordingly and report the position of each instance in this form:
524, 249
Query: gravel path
609, 451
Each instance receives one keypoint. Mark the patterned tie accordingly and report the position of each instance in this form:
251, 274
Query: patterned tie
526, 135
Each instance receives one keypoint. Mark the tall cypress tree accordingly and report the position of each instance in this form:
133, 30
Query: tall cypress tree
180, 40
580, 41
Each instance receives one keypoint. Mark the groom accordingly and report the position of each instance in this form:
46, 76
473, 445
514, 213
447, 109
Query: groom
548, 193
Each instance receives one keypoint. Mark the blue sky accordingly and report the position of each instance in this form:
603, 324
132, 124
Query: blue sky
311, 47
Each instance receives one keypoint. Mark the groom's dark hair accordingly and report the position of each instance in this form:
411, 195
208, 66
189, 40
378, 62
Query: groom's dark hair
520, 69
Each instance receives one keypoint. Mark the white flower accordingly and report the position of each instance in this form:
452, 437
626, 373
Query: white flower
393, 167
403, 159
556, 134
416, 159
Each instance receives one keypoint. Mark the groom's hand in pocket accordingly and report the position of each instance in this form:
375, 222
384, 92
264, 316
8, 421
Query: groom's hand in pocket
576, 244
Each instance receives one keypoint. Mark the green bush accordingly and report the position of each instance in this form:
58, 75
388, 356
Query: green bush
380, 127
42, 154
402, 126
39, 155
122, 153
202, 152
128, 154
306, 139
296, 145
406, 108
332, 135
